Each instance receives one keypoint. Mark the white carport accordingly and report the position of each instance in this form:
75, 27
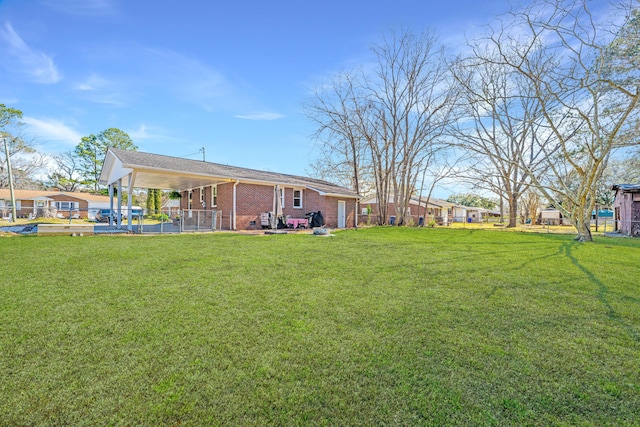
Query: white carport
131, 170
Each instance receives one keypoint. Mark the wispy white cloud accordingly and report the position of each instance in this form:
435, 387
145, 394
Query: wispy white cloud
135, 73
82, 7
114, 99
261, 115
192, 81
52, 130
18, 55
141, 133
9, 101
99, 90
93, 82
144, 132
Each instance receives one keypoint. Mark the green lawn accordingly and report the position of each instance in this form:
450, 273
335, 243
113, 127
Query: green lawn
380, 326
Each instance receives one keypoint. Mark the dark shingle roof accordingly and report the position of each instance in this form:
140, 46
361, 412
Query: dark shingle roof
176, 164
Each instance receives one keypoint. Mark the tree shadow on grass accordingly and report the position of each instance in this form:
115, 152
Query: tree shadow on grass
603, 290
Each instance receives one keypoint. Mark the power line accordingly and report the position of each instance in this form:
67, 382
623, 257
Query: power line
201, 150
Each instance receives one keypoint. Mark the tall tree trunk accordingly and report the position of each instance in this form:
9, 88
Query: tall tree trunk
513, 210
583, 225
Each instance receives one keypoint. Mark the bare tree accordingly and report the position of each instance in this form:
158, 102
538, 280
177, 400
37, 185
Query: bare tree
65, 173
582, 73
387, 120
442, 165
529, 206
624, 170
19, 156
499, 128
334, 109
411, 94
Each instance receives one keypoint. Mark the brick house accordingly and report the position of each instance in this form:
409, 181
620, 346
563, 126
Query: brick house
626, 208
61, 204
439, 210
238, 195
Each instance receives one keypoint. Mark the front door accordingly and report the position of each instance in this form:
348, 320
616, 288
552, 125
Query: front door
342, 223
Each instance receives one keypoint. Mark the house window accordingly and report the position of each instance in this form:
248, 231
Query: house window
40, 203
66, 206
214, 196
297, 199
202, 197
365, 211
7, 204
190, 200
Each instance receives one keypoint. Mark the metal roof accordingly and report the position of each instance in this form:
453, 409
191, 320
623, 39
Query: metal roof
626, 187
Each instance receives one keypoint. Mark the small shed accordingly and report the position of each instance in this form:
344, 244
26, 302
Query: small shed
551, 216
627, 209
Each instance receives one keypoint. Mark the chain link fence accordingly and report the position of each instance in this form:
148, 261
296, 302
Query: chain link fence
172, 221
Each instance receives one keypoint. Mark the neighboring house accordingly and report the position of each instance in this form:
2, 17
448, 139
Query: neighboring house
627, 209
171, 207
439, 210
473, 214
238, 195
552, 216
61, 204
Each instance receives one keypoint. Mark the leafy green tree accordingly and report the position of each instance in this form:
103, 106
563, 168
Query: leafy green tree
472, 200
154, 200
91, 152
151, 201
158, 200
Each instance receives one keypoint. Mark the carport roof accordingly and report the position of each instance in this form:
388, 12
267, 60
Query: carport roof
174, 173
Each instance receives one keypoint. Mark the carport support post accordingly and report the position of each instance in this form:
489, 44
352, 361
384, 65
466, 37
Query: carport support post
129, 213
119, 217
111, 205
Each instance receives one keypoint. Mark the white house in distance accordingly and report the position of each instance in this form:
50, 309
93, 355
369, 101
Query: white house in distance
472, 213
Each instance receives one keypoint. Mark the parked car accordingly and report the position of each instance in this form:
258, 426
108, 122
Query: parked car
104, 214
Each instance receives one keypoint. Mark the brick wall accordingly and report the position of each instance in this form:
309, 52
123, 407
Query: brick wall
253, 199
391, 211
83, 205
27, 207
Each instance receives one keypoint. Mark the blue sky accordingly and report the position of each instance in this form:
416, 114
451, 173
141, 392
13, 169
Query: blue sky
177, 76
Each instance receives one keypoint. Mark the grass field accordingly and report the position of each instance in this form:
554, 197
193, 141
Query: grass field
382, 326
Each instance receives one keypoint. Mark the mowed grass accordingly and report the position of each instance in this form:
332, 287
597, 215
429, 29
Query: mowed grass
380, 326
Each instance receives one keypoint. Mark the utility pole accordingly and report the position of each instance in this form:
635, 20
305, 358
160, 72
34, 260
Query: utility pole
11, 192
9, 117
